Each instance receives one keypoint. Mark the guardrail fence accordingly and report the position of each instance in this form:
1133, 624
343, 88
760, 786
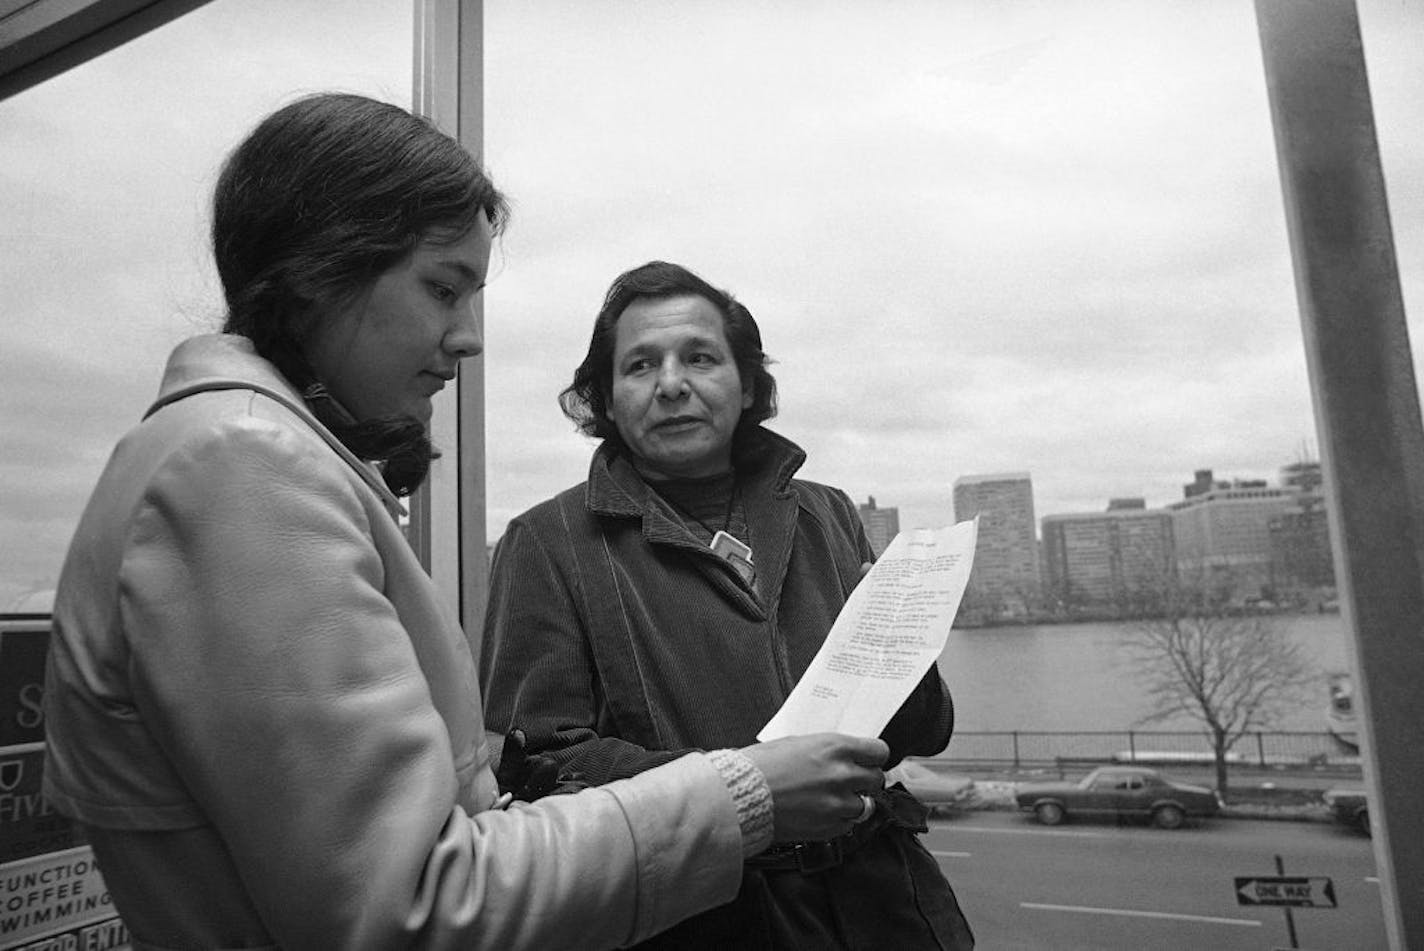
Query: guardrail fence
1258, 749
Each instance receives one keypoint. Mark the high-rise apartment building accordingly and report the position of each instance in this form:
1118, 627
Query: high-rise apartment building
881, 524
1300, 540
1223, 535
1118, 558
1300, 547
1006, 572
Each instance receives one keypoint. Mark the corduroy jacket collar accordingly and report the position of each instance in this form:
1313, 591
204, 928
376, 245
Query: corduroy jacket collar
764, 460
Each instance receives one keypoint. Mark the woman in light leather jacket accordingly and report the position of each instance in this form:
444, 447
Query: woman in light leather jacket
256, 704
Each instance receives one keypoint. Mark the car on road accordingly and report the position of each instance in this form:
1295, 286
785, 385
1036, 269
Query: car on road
1118, 792
936, 789
1348, 804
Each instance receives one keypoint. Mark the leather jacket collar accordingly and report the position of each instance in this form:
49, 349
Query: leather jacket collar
229, 362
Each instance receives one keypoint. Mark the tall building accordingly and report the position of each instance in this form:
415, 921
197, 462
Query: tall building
1223, 535
1301, 556
881, 525
1119, 558
1300, 547
1005, 578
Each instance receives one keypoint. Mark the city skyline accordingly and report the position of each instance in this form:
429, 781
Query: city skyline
884, 501
1242, 540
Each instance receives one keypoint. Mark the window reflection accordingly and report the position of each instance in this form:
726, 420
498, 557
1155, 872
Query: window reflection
108, 169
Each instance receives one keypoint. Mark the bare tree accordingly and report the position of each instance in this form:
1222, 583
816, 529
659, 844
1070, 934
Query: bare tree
1232, 672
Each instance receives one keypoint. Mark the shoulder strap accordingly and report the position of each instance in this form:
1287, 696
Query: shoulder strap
367, 474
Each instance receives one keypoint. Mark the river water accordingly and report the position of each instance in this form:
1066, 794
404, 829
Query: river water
1079, 677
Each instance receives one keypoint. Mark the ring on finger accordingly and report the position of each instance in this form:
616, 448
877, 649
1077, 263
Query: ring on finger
866, 808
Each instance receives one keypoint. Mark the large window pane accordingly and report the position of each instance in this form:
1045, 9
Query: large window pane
981, 237
1042, 238
105, 176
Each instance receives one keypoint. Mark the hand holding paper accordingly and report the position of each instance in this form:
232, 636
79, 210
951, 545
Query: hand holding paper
893, 626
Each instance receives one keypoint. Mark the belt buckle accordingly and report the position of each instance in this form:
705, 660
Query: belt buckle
818, 856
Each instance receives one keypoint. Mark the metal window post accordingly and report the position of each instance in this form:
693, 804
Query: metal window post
447, 527
1366, 408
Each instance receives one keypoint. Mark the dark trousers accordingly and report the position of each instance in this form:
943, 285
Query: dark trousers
888, 893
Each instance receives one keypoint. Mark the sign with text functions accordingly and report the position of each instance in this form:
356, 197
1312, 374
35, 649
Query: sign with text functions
1289, 890
51, 893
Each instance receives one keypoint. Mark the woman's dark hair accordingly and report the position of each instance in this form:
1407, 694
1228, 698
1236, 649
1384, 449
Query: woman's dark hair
317, 202
585, 400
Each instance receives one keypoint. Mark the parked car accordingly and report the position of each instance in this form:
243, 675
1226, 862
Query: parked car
1118, 792
1349, 805
938, 790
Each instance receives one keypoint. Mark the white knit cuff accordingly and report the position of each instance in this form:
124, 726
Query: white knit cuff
751, 795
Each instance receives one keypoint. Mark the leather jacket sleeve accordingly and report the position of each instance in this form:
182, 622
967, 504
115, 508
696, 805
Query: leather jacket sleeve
271, 668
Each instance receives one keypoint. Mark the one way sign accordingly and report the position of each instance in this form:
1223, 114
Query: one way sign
1286, 890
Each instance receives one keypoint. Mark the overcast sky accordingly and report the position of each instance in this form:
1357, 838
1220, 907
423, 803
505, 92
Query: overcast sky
978, 236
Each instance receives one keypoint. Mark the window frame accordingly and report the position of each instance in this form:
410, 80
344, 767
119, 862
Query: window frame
447, 515
1374, 519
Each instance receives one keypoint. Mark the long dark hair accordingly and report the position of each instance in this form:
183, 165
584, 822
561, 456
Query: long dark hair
325, 195
585, 400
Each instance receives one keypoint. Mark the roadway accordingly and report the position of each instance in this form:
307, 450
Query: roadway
1104, 887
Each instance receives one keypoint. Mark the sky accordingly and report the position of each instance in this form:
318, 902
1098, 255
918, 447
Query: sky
978, 236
